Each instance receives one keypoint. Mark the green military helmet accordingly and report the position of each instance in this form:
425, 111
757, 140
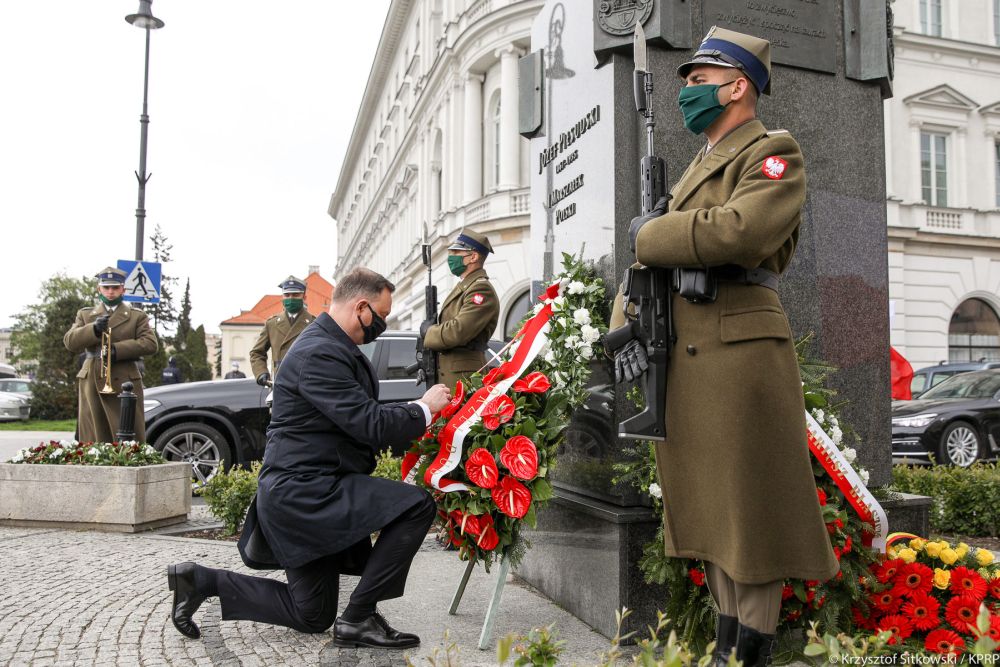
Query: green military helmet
728, 48
109, 276
470, 240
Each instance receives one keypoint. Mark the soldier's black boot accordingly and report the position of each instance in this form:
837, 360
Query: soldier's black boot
187, 598
726, 631
753, 648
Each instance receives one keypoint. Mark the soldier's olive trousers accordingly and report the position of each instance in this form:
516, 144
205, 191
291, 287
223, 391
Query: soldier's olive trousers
755, 605
99, 414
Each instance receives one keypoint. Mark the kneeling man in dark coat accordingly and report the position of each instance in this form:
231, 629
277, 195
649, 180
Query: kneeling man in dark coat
316, 505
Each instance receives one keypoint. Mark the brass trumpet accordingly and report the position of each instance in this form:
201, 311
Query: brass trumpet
106, 362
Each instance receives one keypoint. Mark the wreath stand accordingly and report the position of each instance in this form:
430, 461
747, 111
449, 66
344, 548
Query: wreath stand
494, 606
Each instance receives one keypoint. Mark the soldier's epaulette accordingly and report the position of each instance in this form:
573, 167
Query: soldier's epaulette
774, 133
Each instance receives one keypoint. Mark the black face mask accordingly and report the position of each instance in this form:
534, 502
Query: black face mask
373, 330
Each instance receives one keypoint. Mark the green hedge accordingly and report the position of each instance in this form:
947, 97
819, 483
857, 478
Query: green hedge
966, 501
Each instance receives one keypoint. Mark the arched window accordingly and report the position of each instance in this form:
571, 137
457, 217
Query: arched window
974, 332
493, 154
518, 309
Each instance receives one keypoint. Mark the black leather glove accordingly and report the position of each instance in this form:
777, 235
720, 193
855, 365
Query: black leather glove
630, 362
637, 223
101, 325
424, 326
114, 353
263, 379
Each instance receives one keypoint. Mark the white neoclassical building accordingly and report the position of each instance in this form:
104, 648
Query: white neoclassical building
943, 181
435, 149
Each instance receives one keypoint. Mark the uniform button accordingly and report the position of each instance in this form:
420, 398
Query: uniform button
692, 350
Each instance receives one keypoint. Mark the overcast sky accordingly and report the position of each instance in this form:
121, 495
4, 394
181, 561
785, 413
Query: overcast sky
251, 108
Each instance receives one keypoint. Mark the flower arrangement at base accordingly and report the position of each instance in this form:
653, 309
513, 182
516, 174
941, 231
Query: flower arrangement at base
71, 452
930, 595
487, 456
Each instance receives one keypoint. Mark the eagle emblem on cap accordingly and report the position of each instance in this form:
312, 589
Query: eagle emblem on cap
774, 168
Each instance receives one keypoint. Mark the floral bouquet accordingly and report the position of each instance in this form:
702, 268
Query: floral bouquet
497, 439
71, 452
929, 594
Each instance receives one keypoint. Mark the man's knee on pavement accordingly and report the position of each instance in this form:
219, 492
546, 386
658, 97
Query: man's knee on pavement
315, 620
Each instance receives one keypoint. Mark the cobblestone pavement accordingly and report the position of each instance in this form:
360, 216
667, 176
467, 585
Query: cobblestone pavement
86, 598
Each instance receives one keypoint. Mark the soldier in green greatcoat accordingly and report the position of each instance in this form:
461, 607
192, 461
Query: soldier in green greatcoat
468, 316
131, 339
735, 470
281, 330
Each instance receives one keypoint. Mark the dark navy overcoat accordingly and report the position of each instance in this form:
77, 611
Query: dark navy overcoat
315, 497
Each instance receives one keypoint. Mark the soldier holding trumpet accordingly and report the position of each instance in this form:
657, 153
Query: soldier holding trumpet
113, 336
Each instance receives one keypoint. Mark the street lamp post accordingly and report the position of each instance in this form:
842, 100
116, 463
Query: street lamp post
143, 19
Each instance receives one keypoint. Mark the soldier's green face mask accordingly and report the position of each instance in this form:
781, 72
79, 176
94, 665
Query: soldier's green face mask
456, 264
110, 302
700, 105
292, 305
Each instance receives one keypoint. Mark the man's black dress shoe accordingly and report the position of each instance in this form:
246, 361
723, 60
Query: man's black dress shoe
373, 632
180, 579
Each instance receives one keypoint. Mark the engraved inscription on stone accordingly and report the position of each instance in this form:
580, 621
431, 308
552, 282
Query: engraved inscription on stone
803, 33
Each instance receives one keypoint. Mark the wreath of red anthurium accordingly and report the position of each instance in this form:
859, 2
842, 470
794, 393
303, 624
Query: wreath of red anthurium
498, 411
488, 537
493, 377
512, 497
532, 383
520, 457
482, 469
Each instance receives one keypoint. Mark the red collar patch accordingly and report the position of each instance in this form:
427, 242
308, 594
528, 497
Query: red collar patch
478, 299
774, 168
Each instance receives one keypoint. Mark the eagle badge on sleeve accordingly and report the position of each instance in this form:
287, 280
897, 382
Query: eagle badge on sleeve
478, 299
774, 168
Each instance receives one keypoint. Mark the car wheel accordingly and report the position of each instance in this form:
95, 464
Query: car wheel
198, 444
960, 444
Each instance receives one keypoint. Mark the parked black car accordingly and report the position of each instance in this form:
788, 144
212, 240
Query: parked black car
222, 422
957, 422
932, 376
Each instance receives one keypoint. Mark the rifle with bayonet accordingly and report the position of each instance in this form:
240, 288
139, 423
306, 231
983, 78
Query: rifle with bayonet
641, 346
427, 361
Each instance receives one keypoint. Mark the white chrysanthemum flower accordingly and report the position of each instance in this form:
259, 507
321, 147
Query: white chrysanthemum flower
863, 474
149, 450
559, 300
581, 316
576, 287
586, 351
93, 451
819, 415
655, 491
589, 334
850, 454
836, 434
833, 421
19, 456
56, 453
550, 358
563, 322
537, 308
571, 341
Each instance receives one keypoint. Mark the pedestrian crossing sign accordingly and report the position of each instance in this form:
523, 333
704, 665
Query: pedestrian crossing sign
143, 282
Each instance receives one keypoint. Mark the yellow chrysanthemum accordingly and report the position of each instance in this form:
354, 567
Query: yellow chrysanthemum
949, 556
962, 550
984, 557
933, 549
917, 543
941, 578
908, 555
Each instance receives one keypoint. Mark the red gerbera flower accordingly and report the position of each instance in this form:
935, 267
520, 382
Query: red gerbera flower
822, 496
887, 601
498, 411
922, 609
862, 620
532, 383
898, 625
482, 469
916, 577
994, 631
697, 576
520, 457
995, 587
888, 569
969, 583
944, 641
512, 497
961, 612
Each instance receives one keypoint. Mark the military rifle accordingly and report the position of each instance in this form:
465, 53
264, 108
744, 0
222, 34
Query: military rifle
427, 361
641, 346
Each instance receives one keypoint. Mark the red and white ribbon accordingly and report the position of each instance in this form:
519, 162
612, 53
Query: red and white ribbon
847, 480
531, 340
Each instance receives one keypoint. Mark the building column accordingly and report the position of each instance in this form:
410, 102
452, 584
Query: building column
510, 140
473, 137
456, 160
916, 182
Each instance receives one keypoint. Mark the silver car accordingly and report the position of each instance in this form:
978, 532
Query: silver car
14, 407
